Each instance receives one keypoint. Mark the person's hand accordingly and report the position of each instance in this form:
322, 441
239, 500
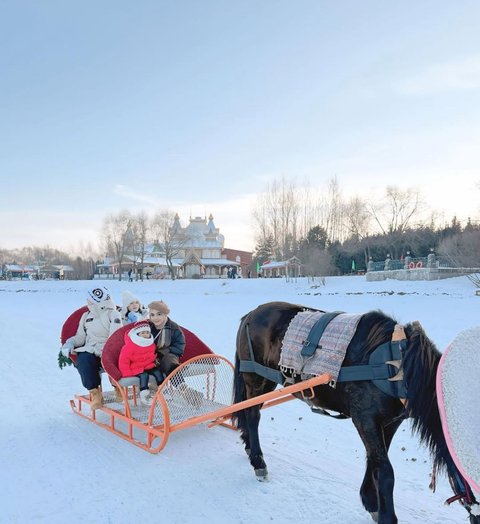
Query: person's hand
68, 347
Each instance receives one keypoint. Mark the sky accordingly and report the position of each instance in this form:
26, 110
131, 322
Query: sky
58, 467
197, 107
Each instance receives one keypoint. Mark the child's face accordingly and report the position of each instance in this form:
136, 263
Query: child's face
134, 306
145, 334
157, 318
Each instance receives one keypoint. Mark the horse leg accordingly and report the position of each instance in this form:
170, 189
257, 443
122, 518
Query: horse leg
379, 477
254, 451
368, 490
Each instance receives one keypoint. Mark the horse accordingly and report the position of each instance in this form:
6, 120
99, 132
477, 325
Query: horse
375, 414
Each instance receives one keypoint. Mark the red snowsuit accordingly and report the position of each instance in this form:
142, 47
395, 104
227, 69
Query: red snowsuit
135, 359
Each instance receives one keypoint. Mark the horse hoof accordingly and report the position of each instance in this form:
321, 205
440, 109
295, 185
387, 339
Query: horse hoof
374, 515
261, 474
474, 519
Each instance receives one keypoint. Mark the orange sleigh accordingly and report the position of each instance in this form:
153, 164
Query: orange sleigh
199, 391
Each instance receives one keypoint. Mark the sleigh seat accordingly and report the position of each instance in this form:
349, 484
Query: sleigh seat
125, 388
194, 347
70, 326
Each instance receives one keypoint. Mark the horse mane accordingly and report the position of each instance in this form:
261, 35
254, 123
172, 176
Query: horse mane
420, 365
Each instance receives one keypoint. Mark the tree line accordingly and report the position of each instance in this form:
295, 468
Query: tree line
124, 237
331, 234
325, 231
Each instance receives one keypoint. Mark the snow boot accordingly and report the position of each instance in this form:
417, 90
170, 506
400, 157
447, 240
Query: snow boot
145, 398
118, 394
96, 398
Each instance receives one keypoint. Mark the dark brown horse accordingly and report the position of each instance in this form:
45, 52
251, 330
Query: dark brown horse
375, 414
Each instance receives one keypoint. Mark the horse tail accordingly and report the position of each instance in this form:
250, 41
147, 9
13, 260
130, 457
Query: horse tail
420, 373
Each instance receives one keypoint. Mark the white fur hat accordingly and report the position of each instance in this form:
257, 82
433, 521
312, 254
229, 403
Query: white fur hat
137, 328
128, 298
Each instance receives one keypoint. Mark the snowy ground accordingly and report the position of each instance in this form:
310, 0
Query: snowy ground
57, 467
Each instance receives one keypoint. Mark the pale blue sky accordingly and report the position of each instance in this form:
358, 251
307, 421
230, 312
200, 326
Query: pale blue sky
197, 105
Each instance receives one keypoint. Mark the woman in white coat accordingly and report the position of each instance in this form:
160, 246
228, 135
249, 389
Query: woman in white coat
95, 326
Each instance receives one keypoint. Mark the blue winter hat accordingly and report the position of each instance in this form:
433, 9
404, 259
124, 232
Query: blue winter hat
98, 294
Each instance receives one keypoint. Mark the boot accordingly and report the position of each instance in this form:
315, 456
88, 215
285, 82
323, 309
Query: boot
153, 388
96, 398
118, 394
145, 398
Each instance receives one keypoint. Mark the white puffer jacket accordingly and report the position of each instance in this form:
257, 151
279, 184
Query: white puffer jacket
95, 326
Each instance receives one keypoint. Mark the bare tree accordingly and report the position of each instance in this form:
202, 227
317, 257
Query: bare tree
395, 212
140, 228
117, 234
316, 260
169, 236
463, 251
356, 218
334, 208
276, 217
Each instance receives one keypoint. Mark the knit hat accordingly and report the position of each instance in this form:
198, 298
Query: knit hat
128, 298
159, 305
98, 294
137, 328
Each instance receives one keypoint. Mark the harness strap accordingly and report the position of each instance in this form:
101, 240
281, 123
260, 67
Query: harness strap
252, 366
382, 368
311, 344
461, 489
249, 366
366, 372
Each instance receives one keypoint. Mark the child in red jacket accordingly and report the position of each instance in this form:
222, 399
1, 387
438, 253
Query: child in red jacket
137, 358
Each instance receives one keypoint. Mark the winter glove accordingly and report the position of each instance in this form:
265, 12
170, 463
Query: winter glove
64, 353
68, 347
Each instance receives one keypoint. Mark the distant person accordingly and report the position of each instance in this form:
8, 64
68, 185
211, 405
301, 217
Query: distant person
137, 358
132, 310
130, 279
95, 326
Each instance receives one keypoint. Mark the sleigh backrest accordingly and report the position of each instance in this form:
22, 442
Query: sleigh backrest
194, 346
70, 326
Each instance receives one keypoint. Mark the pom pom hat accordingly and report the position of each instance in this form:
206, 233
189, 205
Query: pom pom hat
98, 294
159, 305
128, 298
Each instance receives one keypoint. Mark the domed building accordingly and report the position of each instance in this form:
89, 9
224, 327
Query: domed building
194, 251
199, 249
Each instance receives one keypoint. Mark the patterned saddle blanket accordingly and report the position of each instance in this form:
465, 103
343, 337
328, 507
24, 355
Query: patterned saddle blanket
329, 355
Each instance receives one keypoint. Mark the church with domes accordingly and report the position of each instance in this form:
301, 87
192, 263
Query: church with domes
200, 251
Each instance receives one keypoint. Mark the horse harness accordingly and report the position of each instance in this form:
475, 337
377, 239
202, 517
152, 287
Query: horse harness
384, 366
